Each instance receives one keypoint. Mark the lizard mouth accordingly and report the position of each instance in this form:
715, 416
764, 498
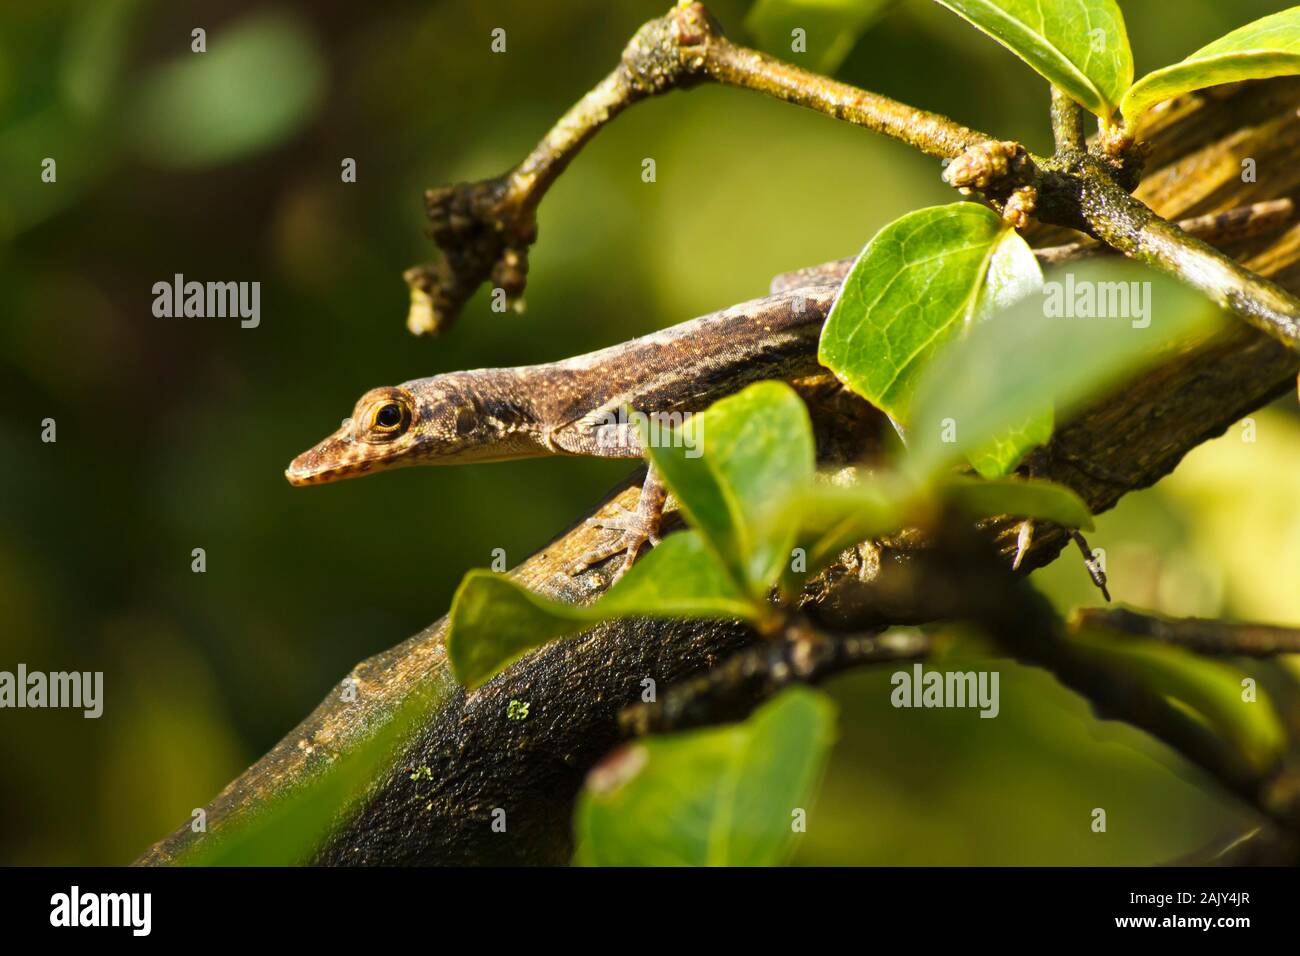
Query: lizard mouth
336, 458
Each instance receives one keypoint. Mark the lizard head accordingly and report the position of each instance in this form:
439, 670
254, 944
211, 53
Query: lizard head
380, 434
429, 421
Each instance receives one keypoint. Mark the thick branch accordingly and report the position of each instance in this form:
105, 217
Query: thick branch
480, 760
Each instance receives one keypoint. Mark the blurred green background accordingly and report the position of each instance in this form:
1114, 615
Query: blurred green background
173, 433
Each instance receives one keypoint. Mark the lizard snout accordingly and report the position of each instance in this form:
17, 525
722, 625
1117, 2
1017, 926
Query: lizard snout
334, 458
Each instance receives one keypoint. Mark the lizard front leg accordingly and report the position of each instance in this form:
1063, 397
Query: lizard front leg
636, 528
605, 436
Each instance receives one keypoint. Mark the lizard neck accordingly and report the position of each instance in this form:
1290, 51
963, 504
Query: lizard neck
488, 414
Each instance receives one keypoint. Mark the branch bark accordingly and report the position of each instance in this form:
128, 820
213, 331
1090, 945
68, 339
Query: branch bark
533, 769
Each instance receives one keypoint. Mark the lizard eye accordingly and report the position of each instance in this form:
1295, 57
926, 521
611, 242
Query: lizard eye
388, 419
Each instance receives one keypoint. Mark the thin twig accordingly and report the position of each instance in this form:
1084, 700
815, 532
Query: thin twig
728, 692
484, 229
1127, 224
1024, 623
1195, 634
1067, 124
1244, 222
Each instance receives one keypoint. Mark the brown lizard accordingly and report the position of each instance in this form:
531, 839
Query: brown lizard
573, 407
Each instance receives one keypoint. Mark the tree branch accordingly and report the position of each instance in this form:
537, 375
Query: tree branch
1196, 634
484, 229
480, 760
1067, 125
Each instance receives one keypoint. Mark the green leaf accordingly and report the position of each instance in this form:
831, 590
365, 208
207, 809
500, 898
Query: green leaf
1042, 352
257, 84
1080, 46
494, 620
1002, 455
716, 797
1019, 498
831, 517
922, 280
831, 28
1267, 47
1208, 691
757, 447
293, 824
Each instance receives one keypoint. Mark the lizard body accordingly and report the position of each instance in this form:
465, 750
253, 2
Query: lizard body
572, 407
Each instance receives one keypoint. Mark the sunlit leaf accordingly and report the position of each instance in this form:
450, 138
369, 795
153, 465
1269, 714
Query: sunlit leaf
1080, 46
1046, 351
1001, 456
1267, 47
716, 797
1019, 498
830, 28
494, 620
750, 450
923, 279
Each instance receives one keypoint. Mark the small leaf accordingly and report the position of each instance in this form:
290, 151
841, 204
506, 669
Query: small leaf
1208, 691
831, 28
1257, 51
716, 797
1002, 455
922, 280
829, 518
494, 620
1019, 498
1080, 46
1046, 351
757, 448
296, 820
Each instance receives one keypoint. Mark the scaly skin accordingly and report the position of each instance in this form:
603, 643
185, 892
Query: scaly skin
568, 407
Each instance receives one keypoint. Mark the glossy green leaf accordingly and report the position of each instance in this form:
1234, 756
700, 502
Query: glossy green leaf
750, 450
1045, 351
1207, 691
830, 28
1019, 498
1080, 46
922, 280
1267, 47
715, 797
494, 620
258, 83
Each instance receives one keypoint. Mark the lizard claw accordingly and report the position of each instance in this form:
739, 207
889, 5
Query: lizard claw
635, 529
631, 523
635, 532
